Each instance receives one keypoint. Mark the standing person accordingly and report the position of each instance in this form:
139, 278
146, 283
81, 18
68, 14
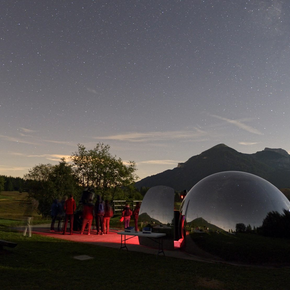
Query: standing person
88, 215
107, 216
69, 208
126, 213
30, 206
54, 212
61, 214
136, 215
99, 212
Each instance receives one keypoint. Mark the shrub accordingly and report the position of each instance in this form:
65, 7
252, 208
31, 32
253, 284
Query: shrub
240, 228
276, 225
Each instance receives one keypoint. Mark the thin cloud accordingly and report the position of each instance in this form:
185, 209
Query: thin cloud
16, 168
92, 91
60, 142
127, 163
239, 124
23, 139
25, 130
26, 133
248, 143
159, 162
17, 140
156, 136
57, 157
52, 157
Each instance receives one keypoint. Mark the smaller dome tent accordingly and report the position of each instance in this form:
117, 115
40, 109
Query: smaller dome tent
225, 199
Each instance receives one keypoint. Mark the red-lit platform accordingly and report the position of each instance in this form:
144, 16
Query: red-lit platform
112, 240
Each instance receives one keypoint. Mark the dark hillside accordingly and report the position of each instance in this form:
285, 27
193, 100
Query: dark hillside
270, 164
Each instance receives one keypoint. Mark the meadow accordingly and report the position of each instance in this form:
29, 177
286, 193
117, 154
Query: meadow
47, 263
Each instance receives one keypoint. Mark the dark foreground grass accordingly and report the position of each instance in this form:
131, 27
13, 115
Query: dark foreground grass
47, 263
246, 248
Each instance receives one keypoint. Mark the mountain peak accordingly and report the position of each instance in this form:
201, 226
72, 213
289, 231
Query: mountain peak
218, 148
270, 164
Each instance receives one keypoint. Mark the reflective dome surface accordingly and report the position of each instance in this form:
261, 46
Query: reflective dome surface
222, 200
157, 209
157, 206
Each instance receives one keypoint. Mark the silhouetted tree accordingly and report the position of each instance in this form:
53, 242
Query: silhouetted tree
47, 182
13, 183
276, 224
98, 169
2, 183
249, 229
240, 228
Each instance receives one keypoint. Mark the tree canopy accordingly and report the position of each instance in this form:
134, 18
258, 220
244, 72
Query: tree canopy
10, 183
93, 168
47, 182
98, 169
2, 183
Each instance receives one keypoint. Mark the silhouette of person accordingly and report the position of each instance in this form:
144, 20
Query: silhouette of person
69, 208
61, 214
30, 206
136, 215
99, 212
54, 212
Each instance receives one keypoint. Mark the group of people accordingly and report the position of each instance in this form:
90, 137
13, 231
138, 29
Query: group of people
101, 211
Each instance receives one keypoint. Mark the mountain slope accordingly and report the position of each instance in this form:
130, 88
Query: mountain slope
270, 164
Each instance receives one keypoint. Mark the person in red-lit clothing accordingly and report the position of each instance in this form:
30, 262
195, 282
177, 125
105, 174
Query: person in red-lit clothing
107, 216
126, 213
88, 215
69, 208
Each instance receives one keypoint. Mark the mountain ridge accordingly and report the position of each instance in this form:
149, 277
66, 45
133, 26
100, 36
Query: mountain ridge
270, 164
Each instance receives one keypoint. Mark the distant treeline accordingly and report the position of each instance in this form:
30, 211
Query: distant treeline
22, 185
13, 183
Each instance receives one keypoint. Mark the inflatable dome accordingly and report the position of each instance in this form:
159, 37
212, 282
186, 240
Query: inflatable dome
225, 199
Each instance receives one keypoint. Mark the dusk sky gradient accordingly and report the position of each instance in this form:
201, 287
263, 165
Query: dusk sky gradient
158, 80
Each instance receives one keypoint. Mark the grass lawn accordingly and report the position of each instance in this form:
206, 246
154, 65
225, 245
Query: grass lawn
47, 263
246, 248
12, 206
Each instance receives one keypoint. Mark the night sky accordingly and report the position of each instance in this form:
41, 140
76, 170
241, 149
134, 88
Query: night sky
158, 80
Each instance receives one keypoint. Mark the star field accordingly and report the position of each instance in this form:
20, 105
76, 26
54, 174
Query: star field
159, 81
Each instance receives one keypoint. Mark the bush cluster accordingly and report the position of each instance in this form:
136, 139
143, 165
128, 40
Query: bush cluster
276, 225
